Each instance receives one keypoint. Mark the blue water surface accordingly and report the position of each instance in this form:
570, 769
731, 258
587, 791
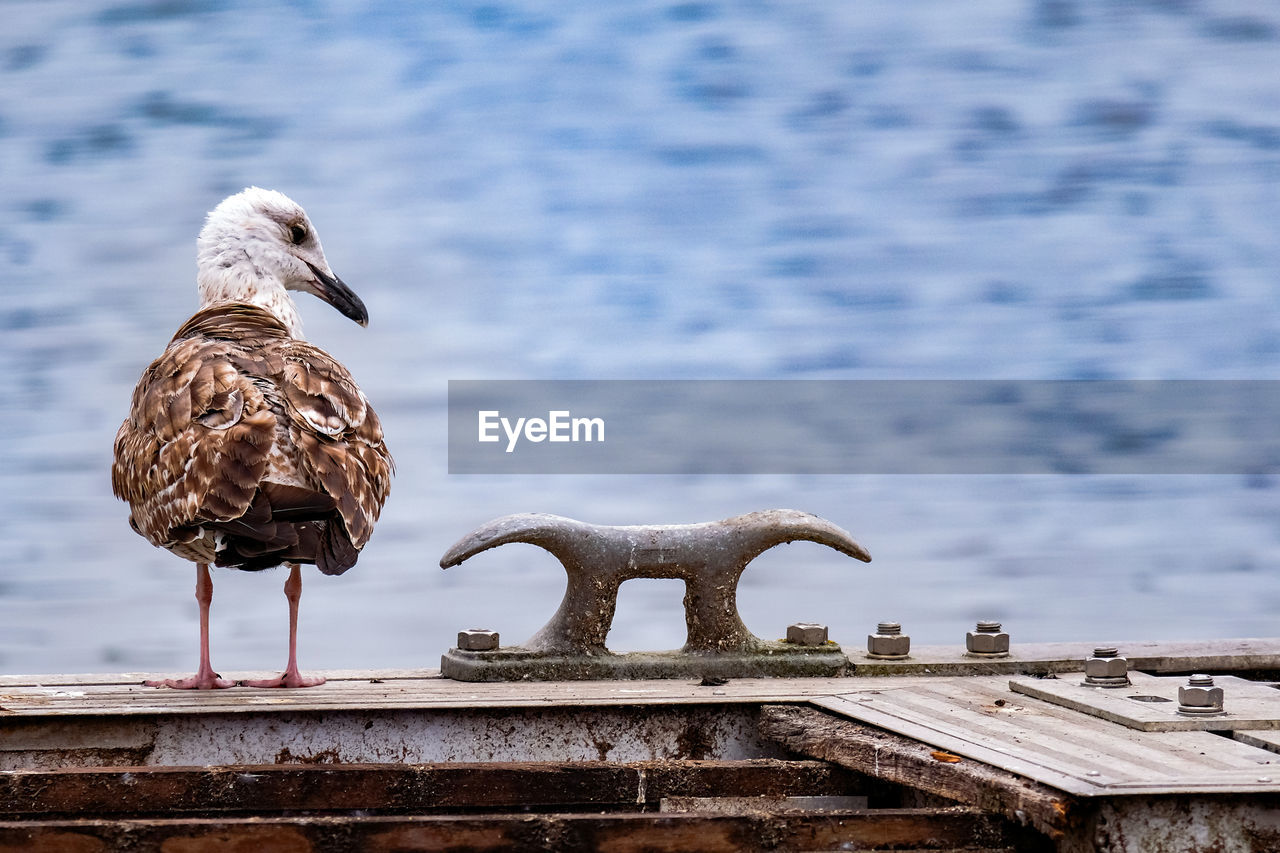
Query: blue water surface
761, 189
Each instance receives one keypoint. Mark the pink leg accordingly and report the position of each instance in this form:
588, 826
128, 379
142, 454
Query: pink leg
205, 678
291, 677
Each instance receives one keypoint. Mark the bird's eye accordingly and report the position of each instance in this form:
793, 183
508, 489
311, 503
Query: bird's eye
297, 234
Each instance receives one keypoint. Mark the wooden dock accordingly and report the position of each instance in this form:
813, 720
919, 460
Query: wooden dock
938, 752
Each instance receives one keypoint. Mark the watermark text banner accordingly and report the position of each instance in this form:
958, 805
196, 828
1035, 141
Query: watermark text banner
864, 427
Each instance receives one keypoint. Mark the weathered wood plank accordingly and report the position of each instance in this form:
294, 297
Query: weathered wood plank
1268, 740
393, 788
1074, 752
892, 758
983, 713
907, 829
1231, 655
372, 694
1238, 655
63, 679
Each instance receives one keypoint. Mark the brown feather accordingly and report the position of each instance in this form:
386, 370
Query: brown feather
248, 448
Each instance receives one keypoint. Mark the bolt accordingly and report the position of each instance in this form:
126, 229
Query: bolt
477, 640
807, 634
987, 641
1106, 668
1199, 698
888, 642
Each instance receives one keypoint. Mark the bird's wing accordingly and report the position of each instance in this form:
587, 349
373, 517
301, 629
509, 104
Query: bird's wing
196, 443
339, 440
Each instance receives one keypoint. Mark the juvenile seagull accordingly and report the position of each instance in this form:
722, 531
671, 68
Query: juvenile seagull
246, 446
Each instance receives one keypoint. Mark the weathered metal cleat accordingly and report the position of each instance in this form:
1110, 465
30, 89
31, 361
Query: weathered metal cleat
708, 557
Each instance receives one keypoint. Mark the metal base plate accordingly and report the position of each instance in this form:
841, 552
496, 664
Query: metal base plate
1150, 703
769, 660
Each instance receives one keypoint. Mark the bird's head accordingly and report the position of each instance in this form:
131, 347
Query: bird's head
258, 242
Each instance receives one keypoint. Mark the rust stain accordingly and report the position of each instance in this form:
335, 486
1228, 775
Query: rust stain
708, 838
695, 742
945, 757
253, 839
324, 756
602, 746
64, 842
439, 838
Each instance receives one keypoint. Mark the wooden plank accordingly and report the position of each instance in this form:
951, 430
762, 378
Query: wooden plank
1083, 755
1251, 655
106, 678
370, 694
1249, 705
1228, 655
892, 758
984, 710
392, 788
1268, 740
899, 829
757, 804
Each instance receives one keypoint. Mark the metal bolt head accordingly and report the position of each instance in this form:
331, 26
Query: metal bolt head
1106, 668
807, 634
1199, 697
477, 640
987, 640
888, 642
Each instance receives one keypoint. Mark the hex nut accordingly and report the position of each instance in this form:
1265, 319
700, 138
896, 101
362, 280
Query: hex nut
477, 640
807, 634
987, 640
1199, 697
892, 646
1107, 668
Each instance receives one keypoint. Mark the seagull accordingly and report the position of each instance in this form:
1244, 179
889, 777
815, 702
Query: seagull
245, 445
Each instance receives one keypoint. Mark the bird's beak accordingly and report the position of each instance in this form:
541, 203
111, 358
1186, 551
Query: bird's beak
331, 289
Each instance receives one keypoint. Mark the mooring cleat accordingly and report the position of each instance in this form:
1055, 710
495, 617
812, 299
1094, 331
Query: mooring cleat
709, 557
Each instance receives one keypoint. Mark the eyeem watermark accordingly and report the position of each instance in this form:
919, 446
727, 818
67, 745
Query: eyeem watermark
558, 426
869, 426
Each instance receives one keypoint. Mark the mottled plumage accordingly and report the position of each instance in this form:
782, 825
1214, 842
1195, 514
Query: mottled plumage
245, 445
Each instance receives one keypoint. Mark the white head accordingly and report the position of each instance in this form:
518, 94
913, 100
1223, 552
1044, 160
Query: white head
258, 244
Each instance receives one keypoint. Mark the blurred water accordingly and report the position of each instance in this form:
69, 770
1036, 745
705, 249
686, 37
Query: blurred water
750, 189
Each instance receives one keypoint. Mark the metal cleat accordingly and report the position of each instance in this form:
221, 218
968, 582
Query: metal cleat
708, 557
